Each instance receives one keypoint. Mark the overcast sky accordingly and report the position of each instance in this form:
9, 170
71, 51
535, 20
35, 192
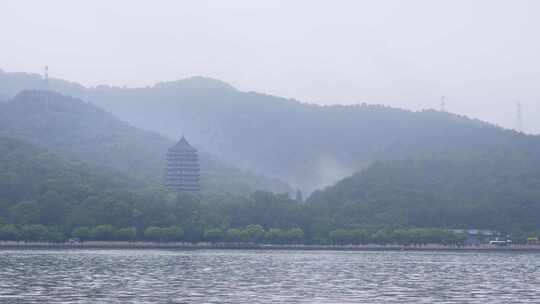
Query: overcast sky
482, 55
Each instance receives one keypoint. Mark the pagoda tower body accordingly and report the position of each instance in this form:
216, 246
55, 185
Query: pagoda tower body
182, 170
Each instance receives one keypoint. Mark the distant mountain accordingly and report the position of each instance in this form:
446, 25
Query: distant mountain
195, 83
309, 146
12, 84
80, 131
498, 190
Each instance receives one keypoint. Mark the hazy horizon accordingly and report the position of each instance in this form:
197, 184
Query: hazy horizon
482, 55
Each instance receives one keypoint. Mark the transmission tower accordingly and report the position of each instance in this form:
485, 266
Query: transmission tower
519, 117
46, 79
443, 104
46, 76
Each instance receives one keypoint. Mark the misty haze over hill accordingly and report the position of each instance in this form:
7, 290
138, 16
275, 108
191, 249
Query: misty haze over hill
309, 146
482, 55
80, 131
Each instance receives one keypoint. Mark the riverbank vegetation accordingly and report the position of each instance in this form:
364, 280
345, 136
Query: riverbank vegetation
252, 234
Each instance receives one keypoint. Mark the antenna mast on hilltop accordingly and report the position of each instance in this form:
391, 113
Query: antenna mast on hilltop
443, 104
519, 118
46, 76
46, 79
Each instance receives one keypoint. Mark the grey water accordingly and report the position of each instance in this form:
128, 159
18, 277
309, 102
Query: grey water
230, 276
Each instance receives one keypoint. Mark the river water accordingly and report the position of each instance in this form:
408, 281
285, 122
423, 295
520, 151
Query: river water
229, 276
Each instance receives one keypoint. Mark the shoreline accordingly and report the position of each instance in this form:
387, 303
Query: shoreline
114, 245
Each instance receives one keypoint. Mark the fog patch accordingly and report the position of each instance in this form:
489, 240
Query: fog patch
330, 170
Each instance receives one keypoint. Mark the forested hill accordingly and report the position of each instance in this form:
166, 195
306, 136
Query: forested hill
498, 190
39, 187
80, 131
307, 145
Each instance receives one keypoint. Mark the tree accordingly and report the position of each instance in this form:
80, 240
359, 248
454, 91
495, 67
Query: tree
253, 233
53, 208
166, 234
25, 212
126, 234
275, 236
103, 233
360, 236
55, 235
234, 235
81, 233
294, 235
213, 234
153, 234
9, 233
340, 236
172, 234
33, 233
383, 236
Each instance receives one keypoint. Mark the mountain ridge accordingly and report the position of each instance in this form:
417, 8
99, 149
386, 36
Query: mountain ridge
309, 146
497, 190
79, 130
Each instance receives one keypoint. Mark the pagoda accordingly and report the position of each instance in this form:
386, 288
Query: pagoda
182, 169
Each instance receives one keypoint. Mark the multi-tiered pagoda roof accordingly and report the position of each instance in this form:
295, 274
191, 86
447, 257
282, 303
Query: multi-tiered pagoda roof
182, 169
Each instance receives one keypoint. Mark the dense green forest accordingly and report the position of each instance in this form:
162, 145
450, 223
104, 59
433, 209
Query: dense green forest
45, 197
497, 191
308, 146
80, 131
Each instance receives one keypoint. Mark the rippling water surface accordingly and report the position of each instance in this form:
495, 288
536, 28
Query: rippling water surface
160, 276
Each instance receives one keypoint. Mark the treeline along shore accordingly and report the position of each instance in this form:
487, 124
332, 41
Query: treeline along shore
120, 245
251, 236
248, 235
